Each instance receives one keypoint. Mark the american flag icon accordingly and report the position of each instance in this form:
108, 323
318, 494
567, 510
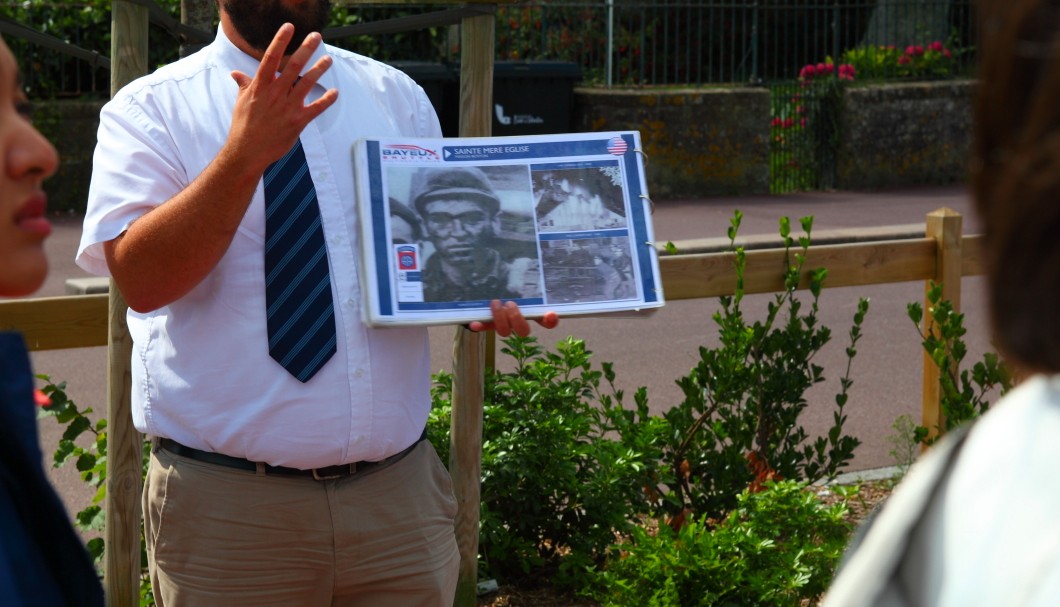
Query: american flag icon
617, 146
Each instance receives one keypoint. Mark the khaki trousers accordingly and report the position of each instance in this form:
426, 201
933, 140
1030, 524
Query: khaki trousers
222, 536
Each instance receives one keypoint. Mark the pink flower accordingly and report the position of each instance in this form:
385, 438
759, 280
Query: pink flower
802, 122
789, 122
936, 46
946, 53
41, 399
778, 121
821, 69
808, 72
904, 60
829, 68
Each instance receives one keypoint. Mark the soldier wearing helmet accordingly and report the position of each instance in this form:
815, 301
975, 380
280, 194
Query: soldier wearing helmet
460, 214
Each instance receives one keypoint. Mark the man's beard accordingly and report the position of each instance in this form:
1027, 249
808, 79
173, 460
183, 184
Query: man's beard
257, 21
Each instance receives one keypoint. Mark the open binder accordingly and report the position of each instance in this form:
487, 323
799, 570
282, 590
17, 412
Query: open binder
554, 222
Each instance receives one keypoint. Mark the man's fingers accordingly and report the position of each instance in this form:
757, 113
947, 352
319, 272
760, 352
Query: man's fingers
292, 70
515, 320
313, 74
508, 319
549, 321
270, 61
500, 318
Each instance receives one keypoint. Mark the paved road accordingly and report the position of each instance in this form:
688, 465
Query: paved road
656, 351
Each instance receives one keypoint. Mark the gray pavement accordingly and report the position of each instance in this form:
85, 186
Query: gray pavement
655, 351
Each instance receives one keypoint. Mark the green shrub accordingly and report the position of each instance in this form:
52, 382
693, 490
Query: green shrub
557, 480
963, 393
90, 459
739, 421
933, 60
779, 547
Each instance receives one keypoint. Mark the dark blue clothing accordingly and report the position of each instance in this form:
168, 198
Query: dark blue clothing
43, 561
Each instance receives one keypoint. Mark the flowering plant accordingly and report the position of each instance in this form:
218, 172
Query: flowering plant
91, 461
932, 60
802, 126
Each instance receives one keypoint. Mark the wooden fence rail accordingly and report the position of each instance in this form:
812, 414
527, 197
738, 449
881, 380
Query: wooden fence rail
942, 255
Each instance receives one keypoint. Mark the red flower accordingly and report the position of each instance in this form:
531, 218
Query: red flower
777, 122
808, 72
41, 399
936, 46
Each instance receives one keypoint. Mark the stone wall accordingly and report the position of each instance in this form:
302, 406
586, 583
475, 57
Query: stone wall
904, 134
699, 142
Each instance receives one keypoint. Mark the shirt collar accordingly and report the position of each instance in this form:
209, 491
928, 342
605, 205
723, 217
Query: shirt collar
229, 55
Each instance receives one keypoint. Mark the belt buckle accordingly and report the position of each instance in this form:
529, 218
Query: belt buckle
350, 470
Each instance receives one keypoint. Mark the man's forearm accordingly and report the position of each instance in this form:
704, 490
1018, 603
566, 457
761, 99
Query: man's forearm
167, 252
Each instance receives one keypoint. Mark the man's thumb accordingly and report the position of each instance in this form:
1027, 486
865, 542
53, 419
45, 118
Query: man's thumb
242, 80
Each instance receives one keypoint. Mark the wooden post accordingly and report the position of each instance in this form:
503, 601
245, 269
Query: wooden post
944, 226
121, 565
465, 463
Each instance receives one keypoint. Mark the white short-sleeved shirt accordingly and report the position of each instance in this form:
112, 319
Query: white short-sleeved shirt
202, 374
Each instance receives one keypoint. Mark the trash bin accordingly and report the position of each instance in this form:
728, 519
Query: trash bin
442, 86
533, 97
529, 97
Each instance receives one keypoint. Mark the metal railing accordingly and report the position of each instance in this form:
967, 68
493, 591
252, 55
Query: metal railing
698, 42
800, 49
614, 42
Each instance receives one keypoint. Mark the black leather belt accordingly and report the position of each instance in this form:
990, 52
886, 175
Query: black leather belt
320, 474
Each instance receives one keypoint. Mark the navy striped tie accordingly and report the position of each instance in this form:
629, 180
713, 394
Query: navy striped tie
299, 308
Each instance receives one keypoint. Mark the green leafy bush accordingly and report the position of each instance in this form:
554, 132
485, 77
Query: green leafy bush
739, 421
778, 547
963, 393
933, 60
90, 459
556, 486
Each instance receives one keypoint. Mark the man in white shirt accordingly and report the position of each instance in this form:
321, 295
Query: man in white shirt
268, 487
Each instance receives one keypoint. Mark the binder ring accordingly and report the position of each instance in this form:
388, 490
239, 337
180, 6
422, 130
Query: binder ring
641, 152
651, 204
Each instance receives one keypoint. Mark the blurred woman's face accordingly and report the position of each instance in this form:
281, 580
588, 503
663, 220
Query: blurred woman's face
26, 159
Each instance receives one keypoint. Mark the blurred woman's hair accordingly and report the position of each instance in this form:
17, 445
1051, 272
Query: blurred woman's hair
1015, 175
